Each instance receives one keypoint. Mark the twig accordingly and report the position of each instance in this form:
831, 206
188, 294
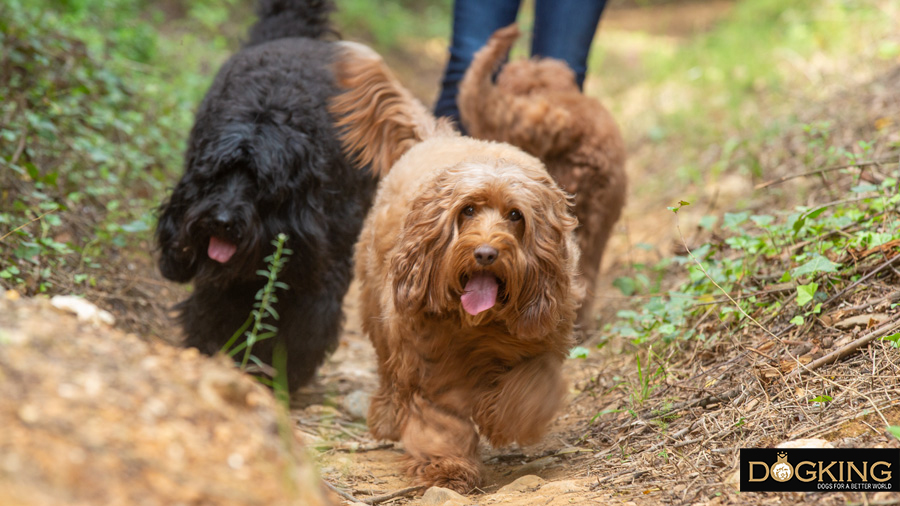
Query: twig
20, 148
26, 224
826, 169
846, 349
363, 449
884, 265
635, 474
702, 402
387, 497
891, 297
340, 492
785, 288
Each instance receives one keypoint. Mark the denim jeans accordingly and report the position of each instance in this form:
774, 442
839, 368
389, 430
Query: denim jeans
563, 29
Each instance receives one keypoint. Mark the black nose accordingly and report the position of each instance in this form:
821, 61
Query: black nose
485, 255
224, 220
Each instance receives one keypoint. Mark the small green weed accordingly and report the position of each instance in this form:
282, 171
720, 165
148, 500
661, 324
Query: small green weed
256, 329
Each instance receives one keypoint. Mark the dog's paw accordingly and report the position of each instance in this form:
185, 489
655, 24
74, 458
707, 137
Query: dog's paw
455, 473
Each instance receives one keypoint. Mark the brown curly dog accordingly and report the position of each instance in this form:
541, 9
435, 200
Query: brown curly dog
469, 287
536, 106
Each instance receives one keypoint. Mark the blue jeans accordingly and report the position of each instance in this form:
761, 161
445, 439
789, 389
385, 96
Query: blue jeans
563, 29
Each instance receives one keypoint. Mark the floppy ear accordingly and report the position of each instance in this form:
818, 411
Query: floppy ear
548, 295
418, 267
175, 262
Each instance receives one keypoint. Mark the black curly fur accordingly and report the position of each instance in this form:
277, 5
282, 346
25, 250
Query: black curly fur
263, 158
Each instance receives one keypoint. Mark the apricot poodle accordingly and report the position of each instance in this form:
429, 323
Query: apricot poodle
537, 106
469, 288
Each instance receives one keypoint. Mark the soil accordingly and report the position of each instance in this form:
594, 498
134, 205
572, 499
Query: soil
99, 414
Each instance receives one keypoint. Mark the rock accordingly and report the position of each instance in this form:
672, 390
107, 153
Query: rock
84, 310
527, 483
356, 404
805, 443
560, 487
439, 496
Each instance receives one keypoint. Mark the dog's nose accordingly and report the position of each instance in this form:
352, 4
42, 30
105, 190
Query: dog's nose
224, 220
485, 255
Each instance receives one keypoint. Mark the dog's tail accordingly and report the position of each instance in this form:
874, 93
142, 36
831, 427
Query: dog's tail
477, 92
532, 122
291, 18
379, 119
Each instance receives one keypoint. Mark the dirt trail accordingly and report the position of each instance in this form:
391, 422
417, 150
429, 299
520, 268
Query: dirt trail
329, 414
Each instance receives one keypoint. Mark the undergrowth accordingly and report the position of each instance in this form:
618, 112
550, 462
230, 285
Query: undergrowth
784, 267
92, 133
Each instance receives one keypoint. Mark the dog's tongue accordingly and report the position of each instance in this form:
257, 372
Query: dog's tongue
480, 293
220, 250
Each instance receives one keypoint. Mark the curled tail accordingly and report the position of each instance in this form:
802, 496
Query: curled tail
526, 115
379, 119
477, 91
291, 18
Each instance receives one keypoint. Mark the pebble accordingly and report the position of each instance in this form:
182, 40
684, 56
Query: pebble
526, 483
439, 496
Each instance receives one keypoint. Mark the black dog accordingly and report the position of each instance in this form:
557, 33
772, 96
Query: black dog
263, 158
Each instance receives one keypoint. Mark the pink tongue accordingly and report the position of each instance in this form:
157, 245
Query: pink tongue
480, 293
220, 250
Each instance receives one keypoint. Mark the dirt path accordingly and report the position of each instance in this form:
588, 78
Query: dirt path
330, 413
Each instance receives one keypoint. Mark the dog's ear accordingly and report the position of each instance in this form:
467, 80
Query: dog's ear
175, 261
417, 268
548, 294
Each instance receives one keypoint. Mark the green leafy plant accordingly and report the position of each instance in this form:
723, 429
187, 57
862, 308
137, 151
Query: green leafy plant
256, 328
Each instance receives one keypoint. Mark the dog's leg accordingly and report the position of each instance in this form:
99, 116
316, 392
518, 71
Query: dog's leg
386, 417
598, 205
442, 447
522, 402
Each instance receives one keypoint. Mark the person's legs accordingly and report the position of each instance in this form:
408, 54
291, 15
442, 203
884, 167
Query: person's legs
473, 23
564, 29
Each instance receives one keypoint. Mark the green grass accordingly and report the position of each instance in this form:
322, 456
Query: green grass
733, 91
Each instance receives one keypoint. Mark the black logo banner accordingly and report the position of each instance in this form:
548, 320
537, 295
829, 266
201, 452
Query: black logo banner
820, 469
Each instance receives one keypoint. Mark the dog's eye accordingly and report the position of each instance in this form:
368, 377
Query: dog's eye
468, 211
515, 215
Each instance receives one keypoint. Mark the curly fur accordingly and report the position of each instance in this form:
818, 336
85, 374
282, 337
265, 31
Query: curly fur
447, 375
263, 158
536, 105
